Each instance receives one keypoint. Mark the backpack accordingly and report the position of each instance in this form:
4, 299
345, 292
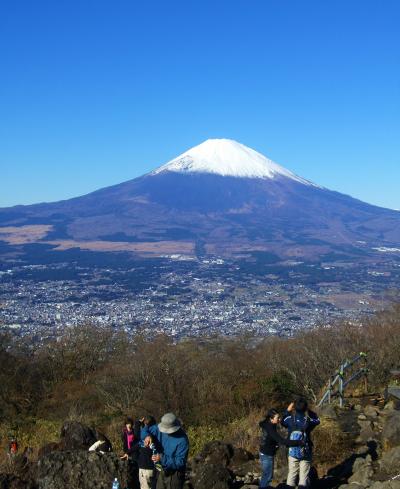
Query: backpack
299, 433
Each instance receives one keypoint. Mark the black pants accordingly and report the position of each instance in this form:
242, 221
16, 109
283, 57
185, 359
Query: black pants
133, 475
154, 479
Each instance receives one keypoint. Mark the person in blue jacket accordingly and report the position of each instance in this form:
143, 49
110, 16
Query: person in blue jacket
300, 422
174, 445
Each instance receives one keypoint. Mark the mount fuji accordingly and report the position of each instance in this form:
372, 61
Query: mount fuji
219, 198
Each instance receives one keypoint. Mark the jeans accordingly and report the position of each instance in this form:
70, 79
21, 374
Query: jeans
267, 466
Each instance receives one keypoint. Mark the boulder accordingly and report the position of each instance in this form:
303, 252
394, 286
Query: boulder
20, 473
362, 472
215, 452
248, 470
390, 484
367, 433
392, 405
8, 481
240, 455
48, 448
371, 411
328, 411
242, 464
212, 476
80, 469
391, 430
354, 485
389, 464
77, 436
391, 459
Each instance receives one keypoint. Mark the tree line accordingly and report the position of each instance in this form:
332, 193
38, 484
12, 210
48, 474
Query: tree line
103, 374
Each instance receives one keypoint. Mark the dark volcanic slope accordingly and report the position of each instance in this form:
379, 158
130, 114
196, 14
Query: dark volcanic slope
225, 215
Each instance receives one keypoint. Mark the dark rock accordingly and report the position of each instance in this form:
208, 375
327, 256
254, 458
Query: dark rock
212, 476
48, 448
243, 463
242, 470
215, 452
240, 455
80, 469
77, 436
10, 481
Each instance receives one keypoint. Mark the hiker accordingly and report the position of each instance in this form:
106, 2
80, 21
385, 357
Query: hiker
300, 422
130, 443
148, 425
130, 438
147, 471
270, 441
174, 451
13, 447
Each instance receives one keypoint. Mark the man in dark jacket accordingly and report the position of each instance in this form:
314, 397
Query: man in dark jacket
270, 441
300, 422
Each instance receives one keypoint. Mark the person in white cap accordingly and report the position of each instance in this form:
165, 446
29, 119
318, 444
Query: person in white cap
174, 452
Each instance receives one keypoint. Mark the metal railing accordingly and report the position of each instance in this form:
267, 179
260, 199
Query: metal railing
338, 382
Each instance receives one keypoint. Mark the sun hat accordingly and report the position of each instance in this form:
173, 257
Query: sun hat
169, 423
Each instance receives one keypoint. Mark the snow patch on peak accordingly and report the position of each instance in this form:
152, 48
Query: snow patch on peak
227, 158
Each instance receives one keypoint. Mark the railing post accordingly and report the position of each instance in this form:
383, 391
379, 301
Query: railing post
341, 394
329, 390
365, 362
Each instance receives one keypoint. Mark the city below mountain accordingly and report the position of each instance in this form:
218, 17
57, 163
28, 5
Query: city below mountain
218, 240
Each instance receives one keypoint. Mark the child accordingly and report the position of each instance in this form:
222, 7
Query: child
146, 464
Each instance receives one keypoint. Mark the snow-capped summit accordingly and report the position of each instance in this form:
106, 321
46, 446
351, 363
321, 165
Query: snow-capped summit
227, 158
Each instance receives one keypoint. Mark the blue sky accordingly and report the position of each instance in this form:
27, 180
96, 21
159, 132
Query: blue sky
93, 93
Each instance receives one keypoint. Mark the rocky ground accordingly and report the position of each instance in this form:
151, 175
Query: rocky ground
375, 462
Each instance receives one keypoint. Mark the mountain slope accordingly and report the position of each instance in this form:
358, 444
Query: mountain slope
220, 197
